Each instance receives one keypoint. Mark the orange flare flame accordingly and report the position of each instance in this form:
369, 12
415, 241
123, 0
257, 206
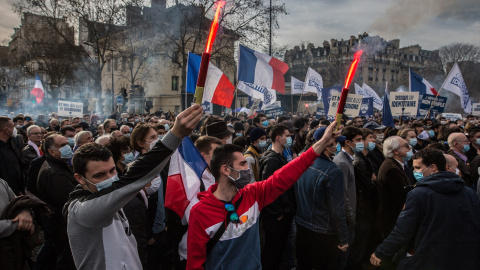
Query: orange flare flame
214, 27
353, 68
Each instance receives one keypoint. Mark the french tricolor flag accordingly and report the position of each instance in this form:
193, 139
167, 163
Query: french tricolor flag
261, 69
38, 91
218, 89
419, 84
187, 176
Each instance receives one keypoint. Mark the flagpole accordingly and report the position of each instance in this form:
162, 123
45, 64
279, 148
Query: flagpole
291, 98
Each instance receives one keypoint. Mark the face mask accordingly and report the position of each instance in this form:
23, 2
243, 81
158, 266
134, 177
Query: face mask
419, 175
229, 140
66, 152
99, 122
339, 148
124, 119
127, 135
477, 141
167, 127
14, 133
443, 122
19, 126
71, 142
105, 183
431, 133
288, 144
160, 137
457, 171
466, 148
358, 147
265, 123
409, 156
262, 144
413, 142
137, 120
238, 134
244, 178
128, 158
380, 137
371, 146
152, 144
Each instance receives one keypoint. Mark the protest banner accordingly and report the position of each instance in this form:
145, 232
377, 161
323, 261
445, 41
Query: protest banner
366, 109
274, 112
476, 109
352, 106
70, 109
320, 113
426, 104
452, 116
404, 103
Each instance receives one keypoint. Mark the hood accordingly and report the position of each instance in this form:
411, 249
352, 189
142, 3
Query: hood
443, 182
77, 193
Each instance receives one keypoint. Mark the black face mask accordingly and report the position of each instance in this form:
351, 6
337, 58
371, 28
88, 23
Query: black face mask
244, 178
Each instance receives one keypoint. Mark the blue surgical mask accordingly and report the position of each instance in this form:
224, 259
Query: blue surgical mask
339, 148
419, 175
128, 158
358, 147
371, 146
105, 183
137, 120
262, 144
125, 119
265, 123
466, 148
66, 152
431, 133
71, 142
127, 135
478, 141
238, 134
160, 137
413, 142
167, 127
288, 144
409, 155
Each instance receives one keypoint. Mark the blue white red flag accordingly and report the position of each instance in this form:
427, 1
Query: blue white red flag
261, 70
187, 176
38, 91
419, 84
218, 89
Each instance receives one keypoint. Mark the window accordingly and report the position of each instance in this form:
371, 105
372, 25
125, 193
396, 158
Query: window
174, 83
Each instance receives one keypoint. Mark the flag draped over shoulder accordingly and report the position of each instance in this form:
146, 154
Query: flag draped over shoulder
218, 89
261, 70
419, 84
38, 91
187, 176
455, 84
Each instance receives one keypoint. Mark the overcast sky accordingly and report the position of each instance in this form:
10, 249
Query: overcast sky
430, 23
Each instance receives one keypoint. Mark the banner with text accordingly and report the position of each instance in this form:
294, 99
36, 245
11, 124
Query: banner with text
476, 109
404, 103
352, 106
274, 112
68, 108
426, 102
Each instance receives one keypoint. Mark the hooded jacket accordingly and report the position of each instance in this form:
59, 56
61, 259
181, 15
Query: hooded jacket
100, 235
239, 246
442, 216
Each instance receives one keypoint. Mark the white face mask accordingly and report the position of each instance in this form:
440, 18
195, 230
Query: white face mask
457, 171
229, 140
14, 133
152, 144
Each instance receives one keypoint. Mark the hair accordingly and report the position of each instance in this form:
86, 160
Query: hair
29, 129
67, 128
389, 132
281, 119
350, 132
117, 146
63, 121
474, 130
223, 155
49, 134
50, 142
107, 122
76, 126
366, 132
325, 122
240, 141
314, 124
256, 119
228, 118
97, 141
138, 134
403, 133
414, 126
79, 136
390, 144
436, 145
17, 118
89, 152
309, 139
452, 138
300, 122
431, 156
277, 131
204, 143
53, 119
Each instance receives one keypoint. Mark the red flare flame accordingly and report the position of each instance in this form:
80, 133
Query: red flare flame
353, 68
214, 27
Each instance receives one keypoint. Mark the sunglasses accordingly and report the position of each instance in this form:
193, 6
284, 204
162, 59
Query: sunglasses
232, 215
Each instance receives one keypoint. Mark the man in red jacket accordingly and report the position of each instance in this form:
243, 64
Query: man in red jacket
236, 205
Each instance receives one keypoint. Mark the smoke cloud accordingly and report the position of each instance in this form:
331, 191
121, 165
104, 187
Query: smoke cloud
405, 15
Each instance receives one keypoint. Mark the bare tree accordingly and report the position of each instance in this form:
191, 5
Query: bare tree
459, 52
10, 78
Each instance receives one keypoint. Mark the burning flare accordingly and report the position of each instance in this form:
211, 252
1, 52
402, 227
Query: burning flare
214, 27
353, 68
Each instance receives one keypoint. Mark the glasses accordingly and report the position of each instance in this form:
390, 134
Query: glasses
36, 133
232, 215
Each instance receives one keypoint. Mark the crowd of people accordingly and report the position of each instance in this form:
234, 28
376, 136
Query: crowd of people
290, 192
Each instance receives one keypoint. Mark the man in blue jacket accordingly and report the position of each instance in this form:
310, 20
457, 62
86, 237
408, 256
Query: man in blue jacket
440, 223
322, 231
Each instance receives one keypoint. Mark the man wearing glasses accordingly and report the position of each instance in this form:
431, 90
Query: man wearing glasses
357, 122
232, 207
391, 183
